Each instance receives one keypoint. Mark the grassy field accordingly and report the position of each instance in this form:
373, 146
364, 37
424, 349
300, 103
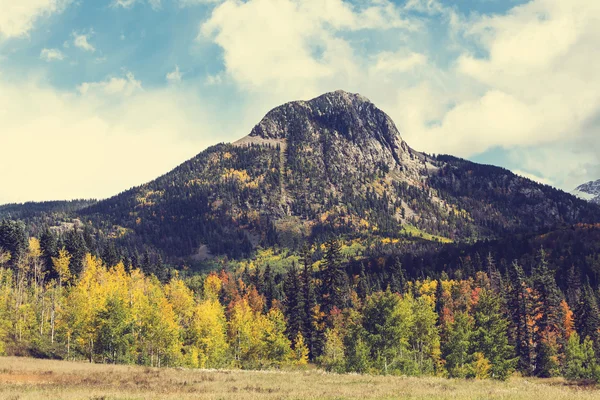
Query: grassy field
23, 378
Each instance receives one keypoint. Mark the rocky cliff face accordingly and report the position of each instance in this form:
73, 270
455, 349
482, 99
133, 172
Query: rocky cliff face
340, 116
589, 191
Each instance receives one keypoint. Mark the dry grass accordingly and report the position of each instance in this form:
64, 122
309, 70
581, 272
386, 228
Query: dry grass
23, 378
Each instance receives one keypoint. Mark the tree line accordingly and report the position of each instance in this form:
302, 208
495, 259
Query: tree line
486, 325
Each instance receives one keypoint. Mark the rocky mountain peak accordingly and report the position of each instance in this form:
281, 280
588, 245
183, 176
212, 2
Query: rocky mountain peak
332, 117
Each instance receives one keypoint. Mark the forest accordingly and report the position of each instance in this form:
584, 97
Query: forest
487, 321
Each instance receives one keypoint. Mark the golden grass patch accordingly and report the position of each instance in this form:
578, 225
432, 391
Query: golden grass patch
24, 378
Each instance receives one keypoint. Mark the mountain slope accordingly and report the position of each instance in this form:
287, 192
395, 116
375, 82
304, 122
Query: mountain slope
332, 165
589, 191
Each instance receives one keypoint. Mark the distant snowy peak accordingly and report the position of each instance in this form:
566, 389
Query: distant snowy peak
589, 191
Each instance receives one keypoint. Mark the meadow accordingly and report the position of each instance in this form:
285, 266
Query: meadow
26, 378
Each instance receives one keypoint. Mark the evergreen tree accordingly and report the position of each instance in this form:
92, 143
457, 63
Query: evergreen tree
309, 328
13, 238
363, 288
387, 323
270, 287
573, 292
587, 317
77, 248
335, 280
49, 246
457, 349
490, 335
550, 335
396, 279
294, 302
520, 306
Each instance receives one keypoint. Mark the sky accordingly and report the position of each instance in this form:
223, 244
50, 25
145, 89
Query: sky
97, 96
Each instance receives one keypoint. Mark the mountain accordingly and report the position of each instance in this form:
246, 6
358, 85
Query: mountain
589, 191
333, 165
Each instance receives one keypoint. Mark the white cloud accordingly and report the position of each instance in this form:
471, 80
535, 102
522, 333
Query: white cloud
521, 79
174, 76
82, 41
398, 62
533, 177
124, 3
214, 79
290, 46
52, 55
538, 79
157, 4
17, 17
96, 143
188, 3
122, 86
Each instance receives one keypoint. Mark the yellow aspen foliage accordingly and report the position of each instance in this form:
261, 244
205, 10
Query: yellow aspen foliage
85, 301
6, 284
182, 299
159, 331
244, 334
209, 335
300, 350
480, 366
61, 265
212, 286
333, 353
277, 347
34, 248
428, 289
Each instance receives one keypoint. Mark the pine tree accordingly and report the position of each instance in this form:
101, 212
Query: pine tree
270, 287
587, 317
550, 336
490, 335
397, 279
335, 281
49, 246
388, 321
294, 302
309, 328
457, 350
13, 238
520, 306
494, 275
573, 292
77, 248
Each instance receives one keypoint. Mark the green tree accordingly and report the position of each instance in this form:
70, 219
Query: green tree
520, 306
309, 329
457, 349
388, 321
425, 338
294, 302
333, 357
335, 280
490, 335
587, 316
550, 335
114, 337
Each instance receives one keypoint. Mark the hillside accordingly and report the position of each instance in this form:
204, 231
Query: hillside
332, 165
